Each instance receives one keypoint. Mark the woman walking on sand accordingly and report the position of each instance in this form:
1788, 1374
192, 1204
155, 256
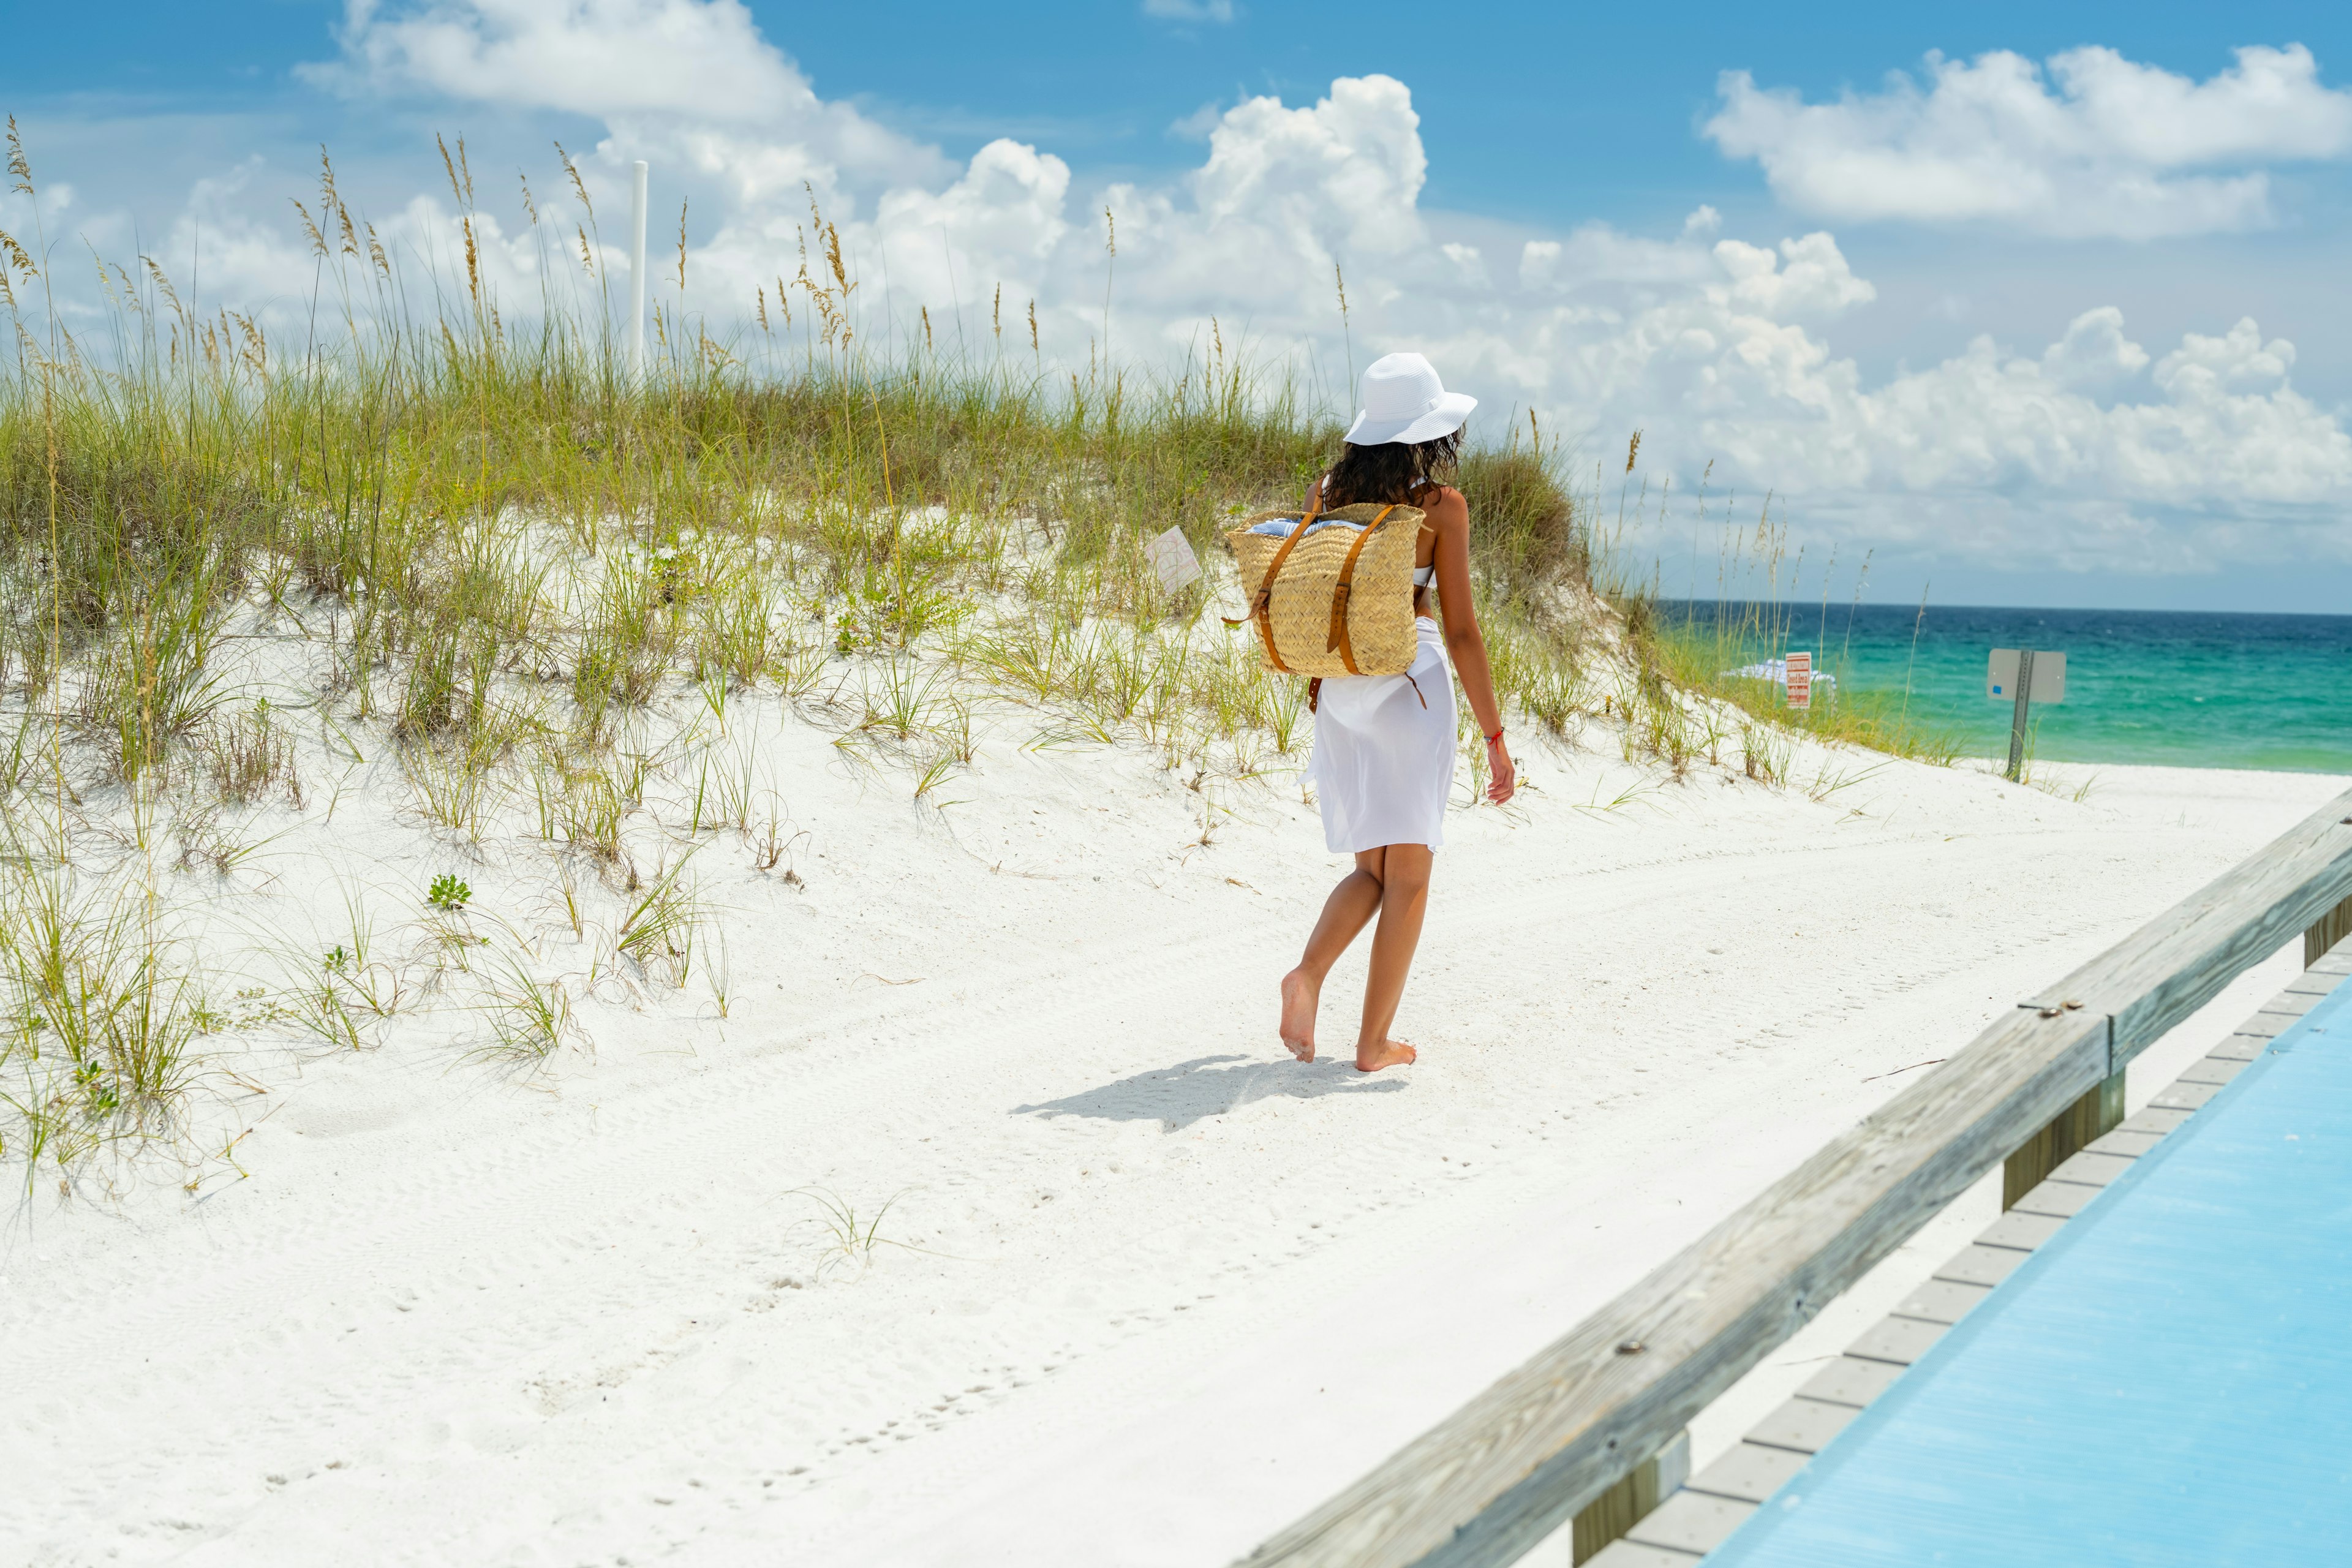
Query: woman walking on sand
1383, 761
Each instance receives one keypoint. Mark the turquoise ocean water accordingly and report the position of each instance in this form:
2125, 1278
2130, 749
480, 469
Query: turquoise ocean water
2185, 688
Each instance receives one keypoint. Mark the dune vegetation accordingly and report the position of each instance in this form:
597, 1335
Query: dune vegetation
460, 533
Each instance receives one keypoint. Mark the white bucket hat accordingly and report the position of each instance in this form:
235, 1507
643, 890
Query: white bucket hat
1404, 401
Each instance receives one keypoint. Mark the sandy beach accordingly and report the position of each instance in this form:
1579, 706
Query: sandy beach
654, 742
1124, 1284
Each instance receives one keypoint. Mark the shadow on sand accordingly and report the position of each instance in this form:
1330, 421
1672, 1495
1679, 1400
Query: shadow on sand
1177, 1096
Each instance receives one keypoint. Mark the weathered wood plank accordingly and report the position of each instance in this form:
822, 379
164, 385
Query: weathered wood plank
1753, 1471
1493, 1478
2163, 973
1516, 1462
1619, 1507
2327, 931
2099, 1110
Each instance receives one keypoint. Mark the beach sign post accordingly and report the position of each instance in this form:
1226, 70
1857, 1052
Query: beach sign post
2022, 677
1800, 680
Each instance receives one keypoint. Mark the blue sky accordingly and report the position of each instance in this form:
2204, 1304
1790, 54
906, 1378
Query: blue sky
1535, 126
1541, 111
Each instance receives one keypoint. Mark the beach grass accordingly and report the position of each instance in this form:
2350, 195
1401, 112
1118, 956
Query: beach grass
1701, 653
469, 535
1690, 692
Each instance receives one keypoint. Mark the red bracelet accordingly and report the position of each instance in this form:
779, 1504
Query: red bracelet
1495, 737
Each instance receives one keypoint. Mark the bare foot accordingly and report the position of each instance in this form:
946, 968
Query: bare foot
1387, 1053
1299, 995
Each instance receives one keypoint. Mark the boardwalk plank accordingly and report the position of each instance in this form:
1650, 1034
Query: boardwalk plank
2131, 1145
1948, 1300
2096, 1170
1982, 1265
1850, 1380
1803, 1425
2186, 1095
2059, 1200
1691, 1521
1750, 1472
1899, 1340
2022, 1232
1633, 1555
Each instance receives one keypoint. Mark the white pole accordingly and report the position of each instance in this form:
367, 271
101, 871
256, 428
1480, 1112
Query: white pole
637, 270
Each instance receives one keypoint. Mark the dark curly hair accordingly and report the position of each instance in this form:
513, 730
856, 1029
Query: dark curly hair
1391, 472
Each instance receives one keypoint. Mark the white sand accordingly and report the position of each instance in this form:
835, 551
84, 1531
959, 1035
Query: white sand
1152, 1290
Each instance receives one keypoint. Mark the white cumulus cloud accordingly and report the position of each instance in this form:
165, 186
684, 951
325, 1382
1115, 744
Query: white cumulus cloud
701, 58
691, 78
2093, 451
2094, 145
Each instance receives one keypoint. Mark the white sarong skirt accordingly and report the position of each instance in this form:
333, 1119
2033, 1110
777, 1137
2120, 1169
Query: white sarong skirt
1383, 762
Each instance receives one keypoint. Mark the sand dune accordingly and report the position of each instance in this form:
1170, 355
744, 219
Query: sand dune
1144, 1289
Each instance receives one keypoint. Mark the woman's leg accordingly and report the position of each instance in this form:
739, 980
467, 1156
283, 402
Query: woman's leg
1404, 899
1346, 911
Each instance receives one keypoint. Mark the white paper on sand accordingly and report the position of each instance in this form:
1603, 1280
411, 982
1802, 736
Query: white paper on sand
1173, 559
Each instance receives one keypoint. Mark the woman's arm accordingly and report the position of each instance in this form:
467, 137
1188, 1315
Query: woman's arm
1450, 515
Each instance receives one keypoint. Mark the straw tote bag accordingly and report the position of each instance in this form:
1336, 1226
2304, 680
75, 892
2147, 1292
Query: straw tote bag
1332, 601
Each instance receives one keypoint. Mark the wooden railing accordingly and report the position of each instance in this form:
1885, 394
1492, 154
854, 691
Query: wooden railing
1490, 1481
